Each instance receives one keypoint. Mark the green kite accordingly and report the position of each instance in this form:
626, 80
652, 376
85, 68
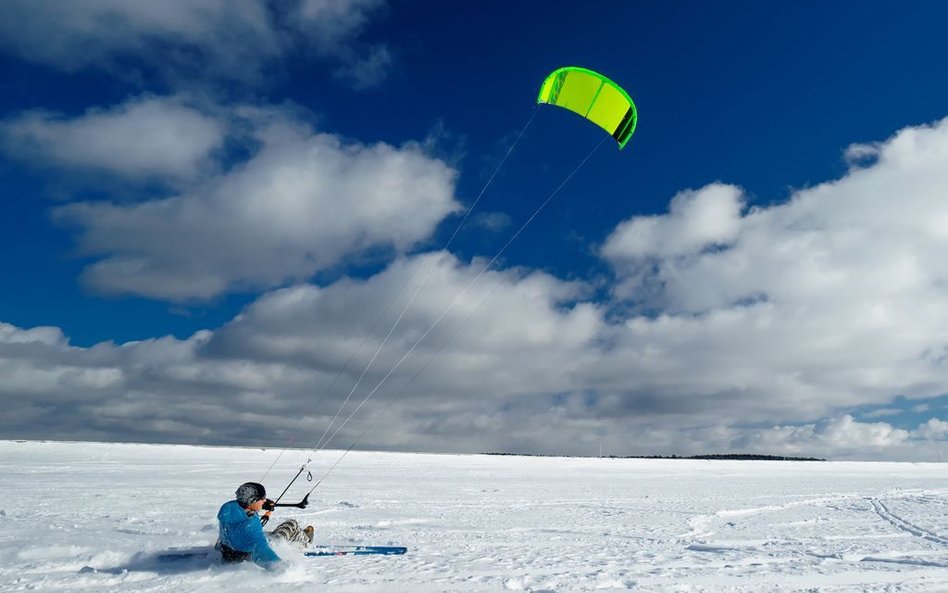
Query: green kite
594, 97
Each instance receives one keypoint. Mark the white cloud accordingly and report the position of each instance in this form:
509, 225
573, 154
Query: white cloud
84, 33
518, 362
842, 438
837, 438
696, 220
366, 70
494, 334
866, 240
329, 24
830, 300
860, 154
176, 38
786, 316
50, 336
303, 202
275, 365
297, 203
261, 373
145, 138
935, 429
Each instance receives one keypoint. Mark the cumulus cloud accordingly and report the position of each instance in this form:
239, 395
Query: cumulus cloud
148, 390
479, 323
934, 429
844, 438
696, 220
279, 360
502, 360
256, 379
303, 202
178, 38
787, 317
866, 239
840, 437
830, 300
146, 138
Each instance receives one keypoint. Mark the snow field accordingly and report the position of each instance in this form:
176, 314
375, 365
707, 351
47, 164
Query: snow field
79, 517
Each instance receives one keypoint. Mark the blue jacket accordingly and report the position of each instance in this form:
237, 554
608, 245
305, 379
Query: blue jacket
245, 534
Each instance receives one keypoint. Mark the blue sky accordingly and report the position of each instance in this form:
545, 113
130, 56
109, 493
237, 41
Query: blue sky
779, 192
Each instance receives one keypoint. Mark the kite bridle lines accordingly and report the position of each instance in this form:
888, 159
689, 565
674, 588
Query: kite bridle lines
323, 441
440, 318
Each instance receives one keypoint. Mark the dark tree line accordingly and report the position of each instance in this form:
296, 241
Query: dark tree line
721, 456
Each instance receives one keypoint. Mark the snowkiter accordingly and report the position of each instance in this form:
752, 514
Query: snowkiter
241, 534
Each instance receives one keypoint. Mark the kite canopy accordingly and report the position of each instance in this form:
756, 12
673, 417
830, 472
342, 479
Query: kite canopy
594, 97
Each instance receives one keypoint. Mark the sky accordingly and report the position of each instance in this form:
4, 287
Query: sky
315, 223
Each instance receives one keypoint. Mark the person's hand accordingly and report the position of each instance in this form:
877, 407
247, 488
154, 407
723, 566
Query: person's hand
269, 505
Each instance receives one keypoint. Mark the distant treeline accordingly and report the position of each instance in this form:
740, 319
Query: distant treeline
724, 456
752, 457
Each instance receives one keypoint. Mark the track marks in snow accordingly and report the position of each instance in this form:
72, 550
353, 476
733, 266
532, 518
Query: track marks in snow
813, 535
706, 525
906, 561
883, 511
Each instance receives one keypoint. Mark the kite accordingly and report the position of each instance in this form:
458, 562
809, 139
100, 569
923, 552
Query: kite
594, 97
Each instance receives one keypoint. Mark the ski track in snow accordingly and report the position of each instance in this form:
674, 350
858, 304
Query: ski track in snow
883, 511
84, 517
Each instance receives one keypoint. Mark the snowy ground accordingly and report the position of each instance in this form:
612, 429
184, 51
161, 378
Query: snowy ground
476, 523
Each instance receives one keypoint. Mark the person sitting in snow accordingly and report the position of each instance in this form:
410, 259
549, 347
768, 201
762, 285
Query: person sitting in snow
241, 530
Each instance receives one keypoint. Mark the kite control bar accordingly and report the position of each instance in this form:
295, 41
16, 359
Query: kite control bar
269, 505
298, 505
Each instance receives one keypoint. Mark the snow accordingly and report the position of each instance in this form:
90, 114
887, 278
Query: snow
78, 517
